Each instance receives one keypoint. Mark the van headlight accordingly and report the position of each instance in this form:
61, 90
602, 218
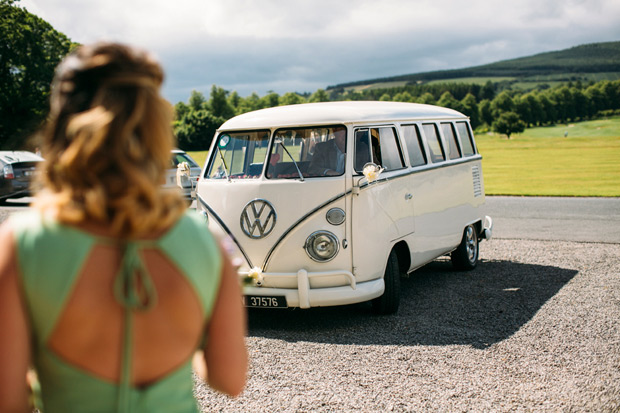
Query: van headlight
322, 246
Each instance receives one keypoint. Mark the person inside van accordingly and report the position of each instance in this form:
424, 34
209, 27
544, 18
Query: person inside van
329, 157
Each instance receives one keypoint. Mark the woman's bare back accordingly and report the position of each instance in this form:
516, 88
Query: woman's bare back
89, 332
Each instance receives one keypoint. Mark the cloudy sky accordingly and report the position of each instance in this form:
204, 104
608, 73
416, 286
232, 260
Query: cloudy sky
303, 45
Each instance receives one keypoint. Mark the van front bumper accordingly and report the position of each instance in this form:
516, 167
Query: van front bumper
305, 297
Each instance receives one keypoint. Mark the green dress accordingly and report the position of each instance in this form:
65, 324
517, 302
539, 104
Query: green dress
50, 256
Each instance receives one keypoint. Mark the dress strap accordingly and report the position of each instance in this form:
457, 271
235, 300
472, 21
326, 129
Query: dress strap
134, 291
133, 286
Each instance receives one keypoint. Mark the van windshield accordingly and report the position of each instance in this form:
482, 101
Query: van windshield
295, 153
307, 152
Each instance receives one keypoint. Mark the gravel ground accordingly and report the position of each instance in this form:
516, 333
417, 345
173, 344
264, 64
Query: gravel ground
536, 327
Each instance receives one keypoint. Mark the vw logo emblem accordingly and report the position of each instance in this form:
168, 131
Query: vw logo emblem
258, 219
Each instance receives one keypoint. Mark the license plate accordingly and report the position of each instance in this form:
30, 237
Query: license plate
259, 301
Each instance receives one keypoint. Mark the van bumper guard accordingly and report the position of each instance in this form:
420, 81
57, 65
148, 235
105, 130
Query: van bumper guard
305, 297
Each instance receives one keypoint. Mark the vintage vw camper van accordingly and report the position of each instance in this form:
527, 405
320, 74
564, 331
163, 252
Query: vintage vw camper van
331, 203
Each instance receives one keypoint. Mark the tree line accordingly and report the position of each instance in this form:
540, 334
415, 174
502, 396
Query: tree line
503, 111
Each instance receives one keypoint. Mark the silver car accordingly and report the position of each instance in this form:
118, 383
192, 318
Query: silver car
17, 168
176, 176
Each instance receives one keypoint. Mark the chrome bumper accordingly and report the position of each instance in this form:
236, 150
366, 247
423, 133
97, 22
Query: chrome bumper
306, 297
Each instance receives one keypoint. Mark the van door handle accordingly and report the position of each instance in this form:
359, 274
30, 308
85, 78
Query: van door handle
408, 196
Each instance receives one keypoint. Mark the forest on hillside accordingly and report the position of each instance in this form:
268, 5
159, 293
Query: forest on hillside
569, 64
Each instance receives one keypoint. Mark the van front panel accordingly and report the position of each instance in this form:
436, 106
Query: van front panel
297, 212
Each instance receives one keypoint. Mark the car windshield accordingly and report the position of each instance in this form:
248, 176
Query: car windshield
179, 157
295, 153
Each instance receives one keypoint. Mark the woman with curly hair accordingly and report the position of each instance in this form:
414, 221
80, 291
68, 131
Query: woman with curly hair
109, 286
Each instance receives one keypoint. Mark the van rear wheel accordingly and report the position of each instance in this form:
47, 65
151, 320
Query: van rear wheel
388, 303
465, 257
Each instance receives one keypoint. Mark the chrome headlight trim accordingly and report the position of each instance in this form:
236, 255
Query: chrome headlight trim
322, 246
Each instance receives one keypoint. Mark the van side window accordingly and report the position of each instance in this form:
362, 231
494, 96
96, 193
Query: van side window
386, 150
450, 135
434, 146
414, 145
466, 139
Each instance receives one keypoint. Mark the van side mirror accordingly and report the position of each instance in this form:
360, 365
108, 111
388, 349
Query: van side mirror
371, 172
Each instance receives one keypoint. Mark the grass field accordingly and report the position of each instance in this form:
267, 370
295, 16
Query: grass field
545, 162
199, 156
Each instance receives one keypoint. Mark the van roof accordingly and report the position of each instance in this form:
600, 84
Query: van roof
327, 113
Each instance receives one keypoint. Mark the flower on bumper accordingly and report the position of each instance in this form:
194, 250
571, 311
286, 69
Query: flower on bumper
254, 277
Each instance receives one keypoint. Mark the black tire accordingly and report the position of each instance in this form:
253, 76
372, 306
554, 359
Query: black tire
465, 257
388, 303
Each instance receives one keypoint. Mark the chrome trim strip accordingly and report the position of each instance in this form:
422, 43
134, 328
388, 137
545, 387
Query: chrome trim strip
225, 228
423, 168
298, 222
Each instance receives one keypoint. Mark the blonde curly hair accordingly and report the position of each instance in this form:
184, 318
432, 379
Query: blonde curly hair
107, 143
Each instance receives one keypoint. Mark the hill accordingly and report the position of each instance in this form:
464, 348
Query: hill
595, 61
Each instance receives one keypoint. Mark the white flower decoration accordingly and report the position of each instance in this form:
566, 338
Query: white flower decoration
371, 171
255, 276
183, 173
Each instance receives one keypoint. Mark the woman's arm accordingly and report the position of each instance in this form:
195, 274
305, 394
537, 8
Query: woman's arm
225, 352
14, 330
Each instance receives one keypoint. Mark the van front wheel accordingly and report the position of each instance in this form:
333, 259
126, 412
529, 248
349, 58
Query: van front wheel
465, 257
389, 301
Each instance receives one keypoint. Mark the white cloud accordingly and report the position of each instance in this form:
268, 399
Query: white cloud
302, 45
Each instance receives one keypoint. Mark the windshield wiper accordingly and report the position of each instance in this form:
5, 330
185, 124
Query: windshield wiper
301, 177
224, 163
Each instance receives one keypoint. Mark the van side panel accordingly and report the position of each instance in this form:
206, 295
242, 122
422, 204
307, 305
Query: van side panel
444, 203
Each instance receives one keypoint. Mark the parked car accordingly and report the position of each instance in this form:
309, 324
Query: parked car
175, 178
17, 168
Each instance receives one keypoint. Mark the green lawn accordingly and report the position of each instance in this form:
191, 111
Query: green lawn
543, 161
199, 156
